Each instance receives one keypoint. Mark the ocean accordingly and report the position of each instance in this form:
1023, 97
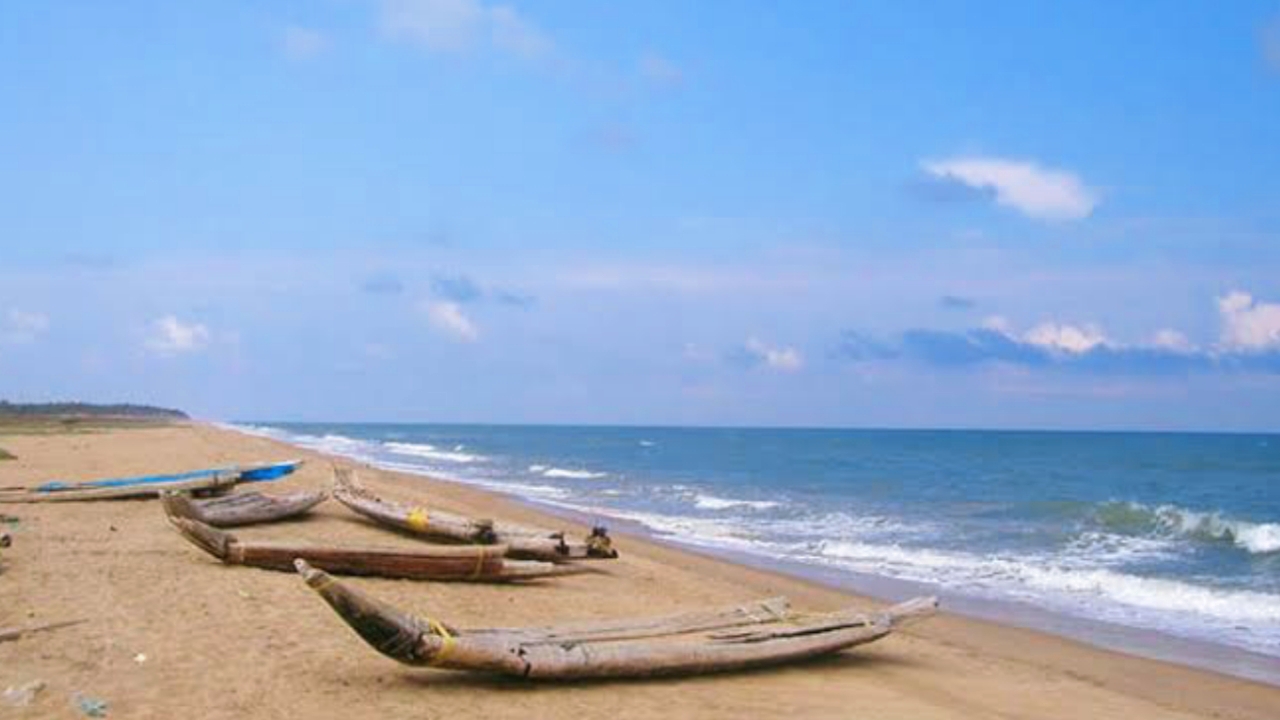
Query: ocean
1160, 543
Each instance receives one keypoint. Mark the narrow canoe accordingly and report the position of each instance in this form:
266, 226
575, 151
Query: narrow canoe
521, 541
259, 472
462, 563
207, 484
719, 640
249, 508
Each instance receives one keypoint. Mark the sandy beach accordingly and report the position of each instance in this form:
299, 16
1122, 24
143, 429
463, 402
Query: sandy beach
169, 633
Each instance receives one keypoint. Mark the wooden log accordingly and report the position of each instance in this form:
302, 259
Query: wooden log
429, 642
219, 482
243, 508
462, 563
521, 541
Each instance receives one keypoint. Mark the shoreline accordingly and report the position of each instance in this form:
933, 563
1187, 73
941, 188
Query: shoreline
237, 642
1137, 641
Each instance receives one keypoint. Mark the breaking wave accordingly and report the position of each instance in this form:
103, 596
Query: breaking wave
565, 473
711, 502
431, 452
1136, 518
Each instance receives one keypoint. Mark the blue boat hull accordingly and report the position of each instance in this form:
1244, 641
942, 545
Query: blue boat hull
255, 473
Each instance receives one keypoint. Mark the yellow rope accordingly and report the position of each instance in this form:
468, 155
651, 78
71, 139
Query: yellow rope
417, 519
480, 558
446, 639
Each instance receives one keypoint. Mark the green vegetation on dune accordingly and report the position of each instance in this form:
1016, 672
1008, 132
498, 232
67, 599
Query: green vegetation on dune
88, 410
6, 455
74, 417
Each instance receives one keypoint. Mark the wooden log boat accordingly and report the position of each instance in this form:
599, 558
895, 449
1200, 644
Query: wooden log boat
249, 508
205, 484
209, 479
464, 563
736, 638
521, 541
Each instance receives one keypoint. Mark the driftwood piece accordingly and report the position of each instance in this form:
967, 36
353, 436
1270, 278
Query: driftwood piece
427, 642
219, 482
465, 563
521, 541
16, 633
249, 508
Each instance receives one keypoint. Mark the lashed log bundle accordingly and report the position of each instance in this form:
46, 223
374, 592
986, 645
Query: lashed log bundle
521, 541
243, 508
464, 563
211, 484
714, 641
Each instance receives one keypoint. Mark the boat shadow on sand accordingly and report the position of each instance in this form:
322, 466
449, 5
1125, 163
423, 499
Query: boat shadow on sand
446, 681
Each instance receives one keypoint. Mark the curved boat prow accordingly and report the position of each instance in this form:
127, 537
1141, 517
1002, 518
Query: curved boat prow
213, 541
913, 610
389, 631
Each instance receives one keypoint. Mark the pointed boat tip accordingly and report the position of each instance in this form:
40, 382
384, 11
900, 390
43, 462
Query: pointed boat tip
313, 577
206, 537
910, 611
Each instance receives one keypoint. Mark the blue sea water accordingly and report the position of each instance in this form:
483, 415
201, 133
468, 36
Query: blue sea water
1175, 533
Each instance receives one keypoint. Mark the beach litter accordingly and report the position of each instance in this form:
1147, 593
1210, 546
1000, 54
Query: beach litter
90, 706
140, 658
23, 695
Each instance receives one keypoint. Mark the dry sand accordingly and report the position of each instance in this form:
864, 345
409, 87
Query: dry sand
234, 642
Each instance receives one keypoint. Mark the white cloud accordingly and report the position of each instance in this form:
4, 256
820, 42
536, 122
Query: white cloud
300, 43
1172, 340
1035, 191
786, 359
660, 71
170, 336
462, 25
1072, 339
448, 318
1248, 325
996, 323
22, 327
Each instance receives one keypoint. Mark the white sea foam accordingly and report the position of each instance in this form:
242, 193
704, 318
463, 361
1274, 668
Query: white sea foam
1253, 537
1064, 582
1258, 538
545, 493
647, 443
711, 502
1110, 594
335, 444
1095, 549
567, 473
431, 452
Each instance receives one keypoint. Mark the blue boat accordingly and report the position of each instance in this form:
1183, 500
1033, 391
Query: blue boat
264, 472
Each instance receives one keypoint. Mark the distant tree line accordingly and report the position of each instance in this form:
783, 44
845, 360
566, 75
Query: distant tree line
88, 410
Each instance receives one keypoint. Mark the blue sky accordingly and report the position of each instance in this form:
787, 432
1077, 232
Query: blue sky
870, 214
